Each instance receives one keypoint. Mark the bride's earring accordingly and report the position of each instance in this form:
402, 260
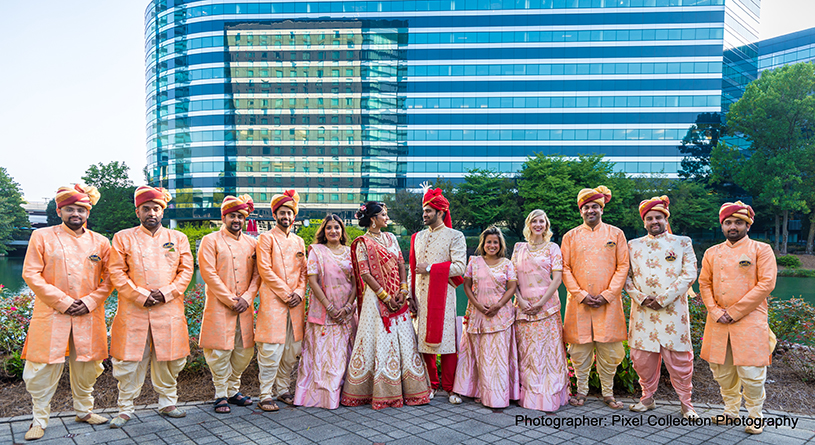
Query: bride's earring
373, 224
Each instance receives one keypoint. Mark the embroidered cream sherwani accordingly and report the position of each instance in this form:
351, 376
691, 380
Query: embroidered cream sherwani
439, 246
663, 266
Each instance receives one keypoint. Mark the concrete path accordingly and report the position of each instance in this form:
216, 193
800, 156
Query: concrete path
438, 423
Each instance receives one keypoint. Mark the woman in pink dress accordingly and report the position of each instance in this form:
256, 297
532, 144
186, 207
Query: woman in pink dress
331, 323
487, 364
544, 377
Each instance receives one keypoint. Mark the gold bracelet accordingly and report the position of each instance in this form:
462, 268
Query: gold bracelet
382, 292
403, 286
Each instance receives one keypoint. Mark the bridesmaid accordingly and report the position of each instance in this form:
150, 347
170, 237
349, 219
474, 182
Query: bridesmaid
331, 323
544, 377
488, 360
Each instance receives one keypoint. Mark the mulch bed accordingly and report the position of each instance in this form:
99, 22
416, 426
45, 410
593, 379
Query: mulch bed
786, 391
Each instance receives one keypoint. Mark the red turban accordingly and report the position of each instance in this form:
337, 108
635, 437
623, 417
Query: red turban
80, 194
158, 195
242, 204
434, 198
658, 203
738, 209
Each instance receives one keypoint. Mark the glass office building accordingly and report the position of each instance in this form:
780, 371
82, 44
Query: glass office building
787, 49
348, 101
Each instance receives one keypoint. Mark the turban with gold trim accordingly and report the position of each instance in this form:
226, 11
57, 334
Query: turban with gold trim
658, 203
80, 194
601, 195
158, 195
242, 204
289, 198
738, 209
435, 199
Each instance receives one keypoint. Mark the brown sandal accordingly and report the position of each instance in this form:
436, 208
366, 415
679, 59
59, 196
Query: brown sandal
612, 403
577, 400
268, 405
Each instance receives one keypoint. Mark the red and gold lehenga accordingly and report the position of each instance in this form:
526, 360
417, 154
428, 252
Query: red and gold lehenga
386, 369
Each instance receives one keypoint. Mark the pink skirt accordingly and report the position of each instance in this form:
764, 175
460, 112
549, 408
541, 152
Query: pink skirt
544, 377
326, 351
488, 368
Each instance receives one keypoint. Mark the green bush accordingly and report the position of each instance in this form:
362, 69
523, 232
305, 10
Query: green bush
801, 273
792, 320
308, 233
788, 261
15, 315
194, 234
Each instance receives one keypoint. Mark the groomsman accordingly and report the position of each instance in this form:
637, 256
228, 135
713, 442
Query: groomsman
226, 260
151, 267
281, 262
737, 277
663, 267
595, 266
66, 268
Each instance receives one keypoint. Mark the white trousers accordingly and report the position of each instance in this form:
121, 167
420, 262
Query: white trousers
737, 381
276, 362
227, 366
163, 376
42, 379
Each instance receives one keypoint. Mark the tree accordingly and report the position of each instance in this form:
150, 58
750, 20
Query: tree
13, 218
776, 114
51, 217
405, 208
115, 210
551, 183
692, 207
698, 144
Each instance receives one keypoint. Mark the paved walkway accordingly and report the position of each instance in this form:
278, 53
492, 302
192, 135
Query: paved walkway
438, 423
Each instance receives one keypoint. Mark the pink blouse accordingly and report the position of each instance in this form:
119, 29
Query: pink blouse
534, 268
489, 285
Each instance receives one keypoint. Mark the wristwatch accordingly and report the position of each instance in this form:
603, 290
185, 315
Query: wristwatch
428, 268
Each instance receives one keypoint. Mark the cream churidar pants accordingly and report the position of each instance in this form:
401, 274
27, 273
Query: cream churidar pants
227, 366
736, 381
609, 355
41, 380
163, 376
276, 362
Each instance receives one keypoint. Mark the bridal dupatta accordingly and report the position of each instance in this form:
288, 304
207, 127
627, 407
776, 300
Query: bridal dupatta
383, 266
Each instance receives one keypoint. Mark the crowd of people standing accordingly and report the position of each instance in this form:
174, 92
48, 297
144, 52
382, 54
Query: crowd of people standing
375, 327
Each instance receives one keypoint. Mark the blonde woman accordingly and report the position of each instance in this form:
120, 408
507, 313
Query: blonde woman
488, 361
544, 377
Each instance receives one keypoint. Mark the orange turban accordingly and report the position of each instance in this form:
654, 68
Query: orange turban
658, 203
434, 198
146, 193
738, 209
289, 198
601, 195
242, 204
80, 194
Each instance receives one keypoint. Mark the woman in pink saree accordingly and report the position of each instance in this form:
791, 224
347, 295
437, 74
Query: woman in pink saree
331, 323
538, 328
488, 360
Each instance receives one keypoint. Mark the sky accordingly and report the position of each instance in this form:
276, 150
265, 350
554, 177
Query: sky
73, 85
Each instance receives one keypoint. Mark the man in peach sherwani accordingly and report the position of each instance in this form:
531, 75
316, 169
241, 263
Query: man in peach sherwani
663, 268
281, 262
151, 267
595, 266
226, 260
737, 277
66, 268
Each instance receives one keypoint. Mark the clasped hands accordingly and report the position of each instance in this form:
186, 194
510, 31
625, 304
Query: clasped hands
725, 319
487, 309
154, 298
528, 308
651, 303
77, 308
341, 313
594, 301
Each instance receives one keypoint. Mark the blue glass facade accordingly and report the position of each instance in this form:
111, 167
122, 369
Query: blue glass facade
787, 49
350, 100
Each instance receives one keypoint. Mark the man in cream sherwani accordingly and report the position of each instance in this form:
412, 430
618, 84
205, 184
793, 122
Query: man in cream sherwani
663, 267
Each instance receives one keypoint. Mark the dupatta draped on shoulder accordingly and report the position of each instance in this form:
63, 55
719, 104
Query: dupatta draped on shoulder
383, 266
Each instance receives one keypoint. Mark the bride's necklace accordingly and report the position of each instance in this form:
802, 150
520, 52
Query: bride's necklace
377, 237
